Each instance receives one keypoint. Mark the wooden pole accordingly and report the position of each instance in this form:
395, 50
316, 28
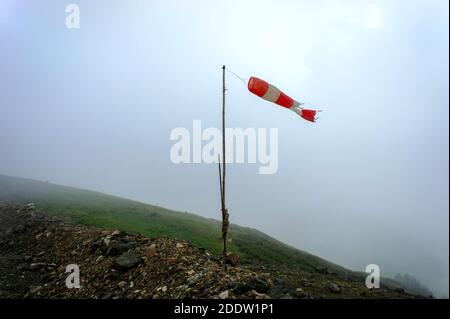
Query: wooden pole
222, 173
223, 136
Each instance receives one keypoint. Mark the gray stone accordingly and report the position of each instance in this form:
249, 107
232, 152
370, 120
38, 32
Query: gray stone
334, 287
126, 262
119, 247
194, 279
300, 293
254, 283
116, 233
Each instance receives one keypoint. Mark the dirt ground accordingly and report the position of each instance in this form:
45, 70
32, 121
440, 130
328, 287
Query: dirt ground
36, 249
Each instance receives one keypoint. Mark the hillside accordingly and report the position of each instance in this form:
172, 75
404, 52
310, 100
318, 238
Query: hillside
35, 250
94, 208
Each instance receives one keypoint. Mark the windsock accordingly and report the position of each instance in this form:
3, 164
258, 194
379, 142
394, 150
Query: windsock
271, 93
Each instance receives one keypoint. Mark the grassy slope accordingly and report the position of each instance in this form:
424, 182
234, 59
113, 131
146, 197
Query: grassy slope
94, 208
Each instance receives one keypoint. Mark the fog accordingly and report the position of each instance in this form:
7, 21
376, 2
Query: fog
94, 108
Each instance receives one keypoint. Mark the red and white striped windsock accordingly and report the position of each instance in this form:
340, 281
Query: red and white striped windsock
271, 93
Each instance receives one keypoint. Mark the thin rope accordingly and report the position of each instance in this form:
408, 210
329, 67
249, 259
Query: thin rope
237, 76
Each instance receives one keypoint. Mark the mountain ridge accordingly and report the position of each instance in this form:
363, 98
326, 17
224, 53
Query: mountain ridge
93, 208
73, 202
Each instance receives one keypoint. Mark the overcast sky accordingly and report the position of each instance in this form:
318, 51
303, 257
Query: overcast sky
94, 107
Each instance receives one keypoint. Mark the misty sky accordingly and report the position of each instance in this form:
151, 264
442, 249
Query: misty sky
94, 107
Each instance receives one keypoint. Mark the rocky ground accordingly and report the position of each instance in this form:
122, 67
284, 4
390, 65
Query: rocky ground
36, 249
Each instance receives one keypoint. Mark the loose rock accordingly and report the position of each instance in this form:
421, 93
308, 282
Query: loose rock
126, 262
334, 287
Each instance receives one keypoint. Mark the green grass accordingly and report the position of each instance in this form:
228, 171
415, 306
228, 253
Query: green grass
97, 209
